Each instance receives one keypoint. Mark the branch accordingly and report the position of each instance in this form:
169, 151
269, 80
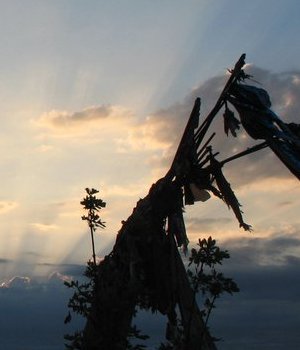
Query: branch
186, 140
235, 73
246, 152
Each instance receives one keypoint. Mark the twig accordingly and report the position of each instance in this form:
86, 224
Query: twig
246, 152
234, 76
205, 145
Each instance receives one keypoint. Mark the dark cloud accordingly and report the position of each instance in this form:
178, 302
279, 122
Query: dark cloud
32, 316
206, 224
32, 254
265, 268
261, 324
265, 313
5, 261
94, 113
73, 269
284, 90
68, 269
258, 251
62, 121
285, 203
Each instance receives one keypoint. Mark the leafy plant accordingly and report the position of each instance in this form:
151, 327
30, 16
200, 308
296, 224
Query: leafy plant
205, 278
206, 281
80, 302
93, 205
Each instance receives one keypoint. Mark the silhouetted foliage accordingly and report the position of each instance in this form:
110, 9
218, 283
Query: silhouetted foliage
206, 282
84, 292
93, 205
204, 277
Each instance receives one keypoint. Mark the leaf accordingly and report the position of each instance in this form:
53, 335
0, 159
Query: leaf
231, 123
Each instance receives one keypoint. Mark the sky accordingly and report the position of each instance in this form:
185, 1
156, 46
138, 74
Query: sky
97, 94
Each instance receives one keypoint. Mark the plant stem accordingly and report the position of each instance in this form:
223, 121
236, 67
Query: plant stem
210, 309
93, 245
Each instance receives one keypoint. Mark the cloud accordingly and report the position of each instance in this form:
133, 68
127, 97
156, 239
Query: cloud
132, 190
44, 227
265, 313
285, 203
57, 278
17, 282
5, 261
32, 304
7, 206
63, 119
68, 270
277, 249
45, 148
65, 123
144, 136
206, 224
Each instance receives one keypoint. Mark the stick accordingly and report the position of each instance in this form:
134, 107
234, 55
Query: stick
246, 152
234, 75
186, 139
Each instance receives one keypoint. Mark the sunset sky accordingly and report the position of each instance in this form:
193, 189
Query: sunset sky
97, 94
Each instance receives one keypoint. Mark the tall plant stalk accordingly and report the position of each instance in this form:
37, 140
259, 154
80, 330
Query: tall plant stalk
84, 293
93, 205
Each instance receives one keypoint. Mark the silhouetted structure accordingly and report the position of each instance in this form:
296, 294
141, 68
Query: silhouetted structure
144, 266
